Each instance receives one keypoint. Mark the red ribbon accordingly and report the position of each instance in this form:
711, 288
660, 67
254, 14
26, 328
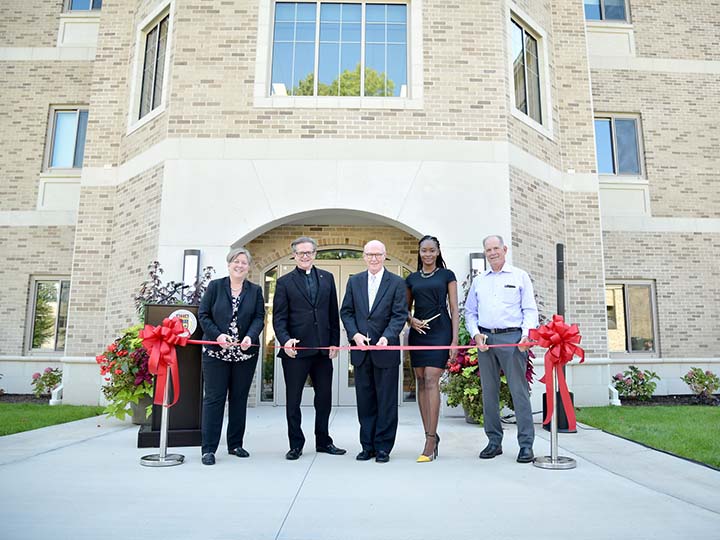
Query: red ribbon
561, 341
160, 342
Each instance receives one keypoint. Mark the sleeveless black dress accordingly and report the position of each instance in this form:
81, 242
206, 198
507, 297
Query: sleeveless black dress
430, 297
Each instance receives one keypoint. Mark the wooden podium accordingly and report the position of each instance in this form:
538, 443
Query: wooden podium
186, 414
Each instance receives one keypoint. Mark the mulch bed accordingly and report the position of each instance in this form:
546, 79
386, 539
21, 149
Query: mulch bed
673, 399
23, 398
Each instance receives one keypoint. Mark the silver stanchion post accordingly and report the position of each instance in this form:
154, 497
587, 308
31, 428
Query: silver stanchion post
553, 461
163, 459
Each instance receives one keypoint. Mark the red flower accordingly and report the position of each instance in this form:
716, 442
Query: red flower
100, 358
112, 348
122, 352
118, 371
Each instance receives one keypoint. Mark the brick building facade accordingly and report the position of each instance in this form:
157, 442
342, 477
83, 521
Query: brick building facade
134, 130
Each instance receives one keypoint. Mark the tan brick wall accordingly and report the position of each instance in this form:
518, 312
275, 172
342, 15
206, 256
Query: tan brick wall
28, 251
686, 271
669, 29
28, 90
584, 276
537, 225
680, 131
30, 23
117, 236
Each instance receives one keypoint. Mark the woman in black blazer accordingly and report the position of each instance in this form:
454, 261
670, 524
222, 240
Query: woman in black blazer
232, 312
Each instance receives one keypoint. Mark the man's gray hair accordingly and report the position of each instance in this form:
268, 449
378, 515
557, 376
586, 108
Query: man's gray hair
304, 240
502, 242
234, 252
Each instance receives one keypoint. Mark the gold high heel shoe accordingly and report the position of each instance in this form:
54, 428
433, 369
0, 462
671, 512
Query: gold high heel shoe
427, 459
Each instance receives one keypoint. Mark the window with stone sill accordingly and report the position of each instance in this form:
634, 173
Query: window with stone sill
631, 316
47, 320
339, 49
606, 10
526, 68
66, 138
153, 67
83, 5
617, 145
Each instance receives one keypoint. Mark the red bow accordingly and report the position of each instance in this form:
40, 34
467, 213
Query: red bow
561, 341
160, 343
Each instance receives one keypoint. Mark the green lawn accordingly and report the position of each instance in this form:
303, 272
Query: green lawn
17, 417
691, 432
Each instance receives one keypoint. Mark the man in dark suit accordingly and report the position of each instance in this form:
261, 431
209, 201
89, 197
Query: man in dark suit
305, 313
374, 311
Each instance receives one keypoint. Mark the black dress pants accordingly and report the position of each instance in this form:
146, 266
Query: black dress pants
295, 371
376, 390
231, 381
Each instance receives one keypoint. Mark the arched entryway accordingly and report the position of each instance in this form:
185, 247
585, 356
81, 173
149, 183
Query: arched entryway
339, 252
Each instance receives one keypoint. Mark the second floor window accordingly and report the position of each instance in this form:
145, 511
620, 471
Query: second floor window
617, 145
526, 72
153, 71
84, 5
339, 49
67, 141
602, 10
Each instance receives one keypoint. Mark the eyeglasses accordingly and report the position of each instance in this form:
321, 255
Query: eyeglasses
304, 253
374, 255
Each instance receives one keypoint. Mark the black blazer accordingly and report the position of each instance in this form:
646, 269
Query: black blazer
387, 317
216, 310
295, 315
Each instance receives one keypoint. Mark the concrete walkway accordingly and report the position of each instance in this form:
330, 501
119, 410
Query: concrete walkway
82, 480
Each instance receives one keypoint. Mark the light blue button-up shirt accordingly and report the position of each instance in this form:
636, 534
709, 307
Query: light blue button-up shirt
503, 299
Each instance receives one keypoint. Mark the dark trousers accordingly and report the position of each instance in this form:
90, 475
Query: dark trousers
296, 371
513, 363
231, 381
377, 405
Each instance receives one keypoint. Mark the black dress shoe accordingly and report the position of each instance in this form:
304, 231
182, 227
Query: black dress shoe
293, 454
208, 458
525, 455
382, 457
330, 449
490, 451
365, 455
239, 452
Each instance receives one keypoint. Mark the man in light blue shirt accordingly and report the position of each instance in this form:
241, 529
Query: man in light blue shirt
501, 309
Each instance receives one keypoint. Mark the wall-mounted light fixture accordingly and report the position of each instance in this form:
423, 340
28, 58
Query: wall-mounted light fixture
477, 264
191, 266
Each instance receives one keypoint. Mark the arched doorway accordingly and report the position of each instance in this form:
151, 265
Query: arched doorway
342, 260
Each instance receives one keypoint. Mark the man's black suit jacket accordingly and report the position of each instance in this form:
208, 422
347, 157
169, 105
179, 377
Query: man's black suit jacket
386, 318
296, 316
216, 311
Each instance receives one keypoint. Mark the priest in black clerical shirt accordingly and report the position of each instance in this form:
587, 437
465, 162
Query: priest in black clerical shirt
305, 314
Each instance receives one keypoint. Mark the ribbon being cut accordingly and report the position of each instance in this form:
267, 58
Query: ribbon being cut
561, 341
558, 337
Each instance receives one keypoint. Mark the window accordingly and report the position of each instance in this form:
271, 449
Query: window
631, 317
84, 5
48, 314
67, 138
617, 145
526, 72
339, 49
605, 10
153, 70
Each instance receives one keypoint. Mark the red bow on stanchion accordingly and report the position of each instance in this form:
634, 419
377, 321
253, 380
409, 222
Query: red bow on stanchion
160, 343
561, 341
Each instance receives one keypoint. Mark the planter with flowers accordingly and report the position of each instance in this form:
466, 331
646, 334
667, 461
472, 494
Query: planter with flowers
128, 383
123, 364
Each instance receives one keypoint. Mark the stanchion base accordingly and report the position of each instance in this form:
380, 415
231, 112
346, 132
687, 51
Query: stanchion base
561, 463
153, 460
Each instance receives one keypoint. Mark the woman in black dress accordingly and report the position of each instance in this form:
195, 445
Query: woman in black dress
432, 290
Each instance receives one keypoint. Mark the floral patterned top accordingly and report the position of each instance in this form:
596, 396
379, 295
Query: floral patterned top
235, 353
